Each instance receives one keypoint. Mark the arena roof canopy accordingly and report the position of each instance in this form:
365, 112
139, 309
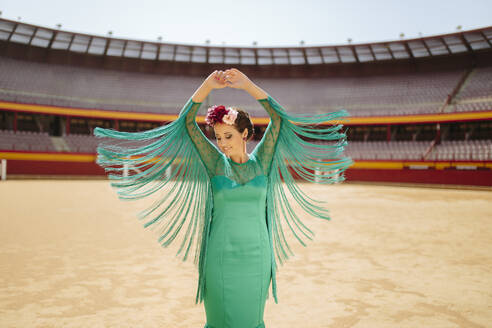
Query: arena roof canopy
470, 41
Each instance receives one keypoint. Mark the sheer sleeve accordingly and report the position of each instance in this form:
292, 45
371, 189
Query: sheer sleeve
207, 150
265, 148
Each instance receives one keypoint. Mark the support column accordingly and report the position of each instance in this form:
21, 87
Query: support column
15, 121
438, 134
67, 125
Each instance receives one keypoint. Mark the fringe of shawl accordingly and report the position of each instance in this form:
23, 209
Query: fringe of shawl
315, 162
142, 163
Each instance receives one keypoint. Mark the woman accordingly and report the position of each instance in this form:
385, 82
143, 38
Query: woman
234, 201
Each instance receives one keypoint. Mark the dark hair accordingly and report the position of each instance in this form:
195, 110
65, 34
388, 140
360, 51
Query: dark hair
243, 121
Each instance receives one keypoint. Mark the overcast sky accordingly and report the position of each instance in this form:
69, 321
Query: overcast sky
269, 22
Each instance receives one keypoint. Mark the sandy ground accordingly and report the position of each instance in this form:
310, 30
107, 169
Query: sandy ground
73, 255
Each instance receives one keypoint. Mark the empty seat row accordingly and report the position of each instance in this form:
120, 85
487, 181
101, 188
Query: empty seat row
401, 94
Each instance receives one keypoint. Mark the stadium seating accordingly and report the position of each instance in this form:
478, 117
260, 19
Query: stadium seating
359, 150
61, 85
386, 150
475, 93
415, 150
25, 140
462, 150
79, 143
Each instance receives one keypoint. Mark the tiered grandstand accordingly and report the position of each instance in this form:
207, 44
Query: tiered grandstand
25, 140
421, 109
403, 94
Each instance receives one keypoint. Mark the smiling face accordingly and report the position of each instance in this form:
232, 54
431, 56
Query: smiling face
229, 140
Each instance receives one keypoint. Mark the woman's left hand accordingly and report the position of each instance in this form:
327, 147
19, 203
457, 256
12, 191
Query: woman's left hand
236, 79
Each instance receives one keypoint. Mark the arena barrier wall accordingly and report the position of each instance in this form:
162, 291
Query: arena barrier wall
474, 173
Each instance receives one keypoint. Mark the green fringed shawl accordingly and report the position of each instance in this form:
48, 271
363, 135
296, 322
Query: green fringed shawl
167, 156
314, 161
164, 157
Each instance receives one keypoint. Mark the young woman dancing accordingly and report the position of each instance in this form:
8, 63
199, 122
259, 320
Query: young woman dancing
229, 206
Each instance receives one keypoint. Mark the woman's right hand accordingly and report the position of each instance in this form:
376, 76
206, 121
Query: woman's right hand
217, 80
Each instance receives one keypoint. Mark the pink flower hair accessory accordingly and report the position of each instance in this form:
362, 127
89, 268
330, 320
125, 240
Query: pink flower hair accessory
220, 114
230, 118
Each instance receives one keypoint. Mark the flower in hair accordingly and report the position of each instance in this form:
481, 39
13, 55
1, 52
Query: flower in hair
219, 114
230, 118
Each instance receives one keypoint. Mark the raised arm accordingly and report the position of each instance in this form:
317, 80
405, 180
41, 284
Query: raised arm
266, 147
207, 150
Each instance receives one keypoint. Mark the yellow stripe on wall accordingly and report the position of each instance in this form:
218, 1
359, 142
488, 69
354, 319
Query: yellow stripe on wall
377, 165
103, 114
48, 157
84, 112
422, 118
119, 115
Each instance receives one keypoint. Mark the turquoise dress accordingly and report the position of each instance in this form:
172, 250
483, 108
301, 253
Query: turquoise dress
231, 216
238, 269
239, 258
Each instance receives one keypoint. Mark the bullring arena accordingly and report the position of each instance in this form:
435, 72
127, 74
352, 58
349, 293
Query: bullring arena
408, 243
73, 255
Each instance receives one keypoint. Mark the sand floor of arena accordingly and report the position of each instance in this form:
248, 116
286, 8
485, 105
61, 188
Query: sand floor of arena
73, 255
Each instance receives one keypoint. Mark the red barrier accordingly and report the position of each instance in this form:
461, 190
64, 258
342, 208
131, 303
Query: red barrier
50, 163
53, 168
479, 177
